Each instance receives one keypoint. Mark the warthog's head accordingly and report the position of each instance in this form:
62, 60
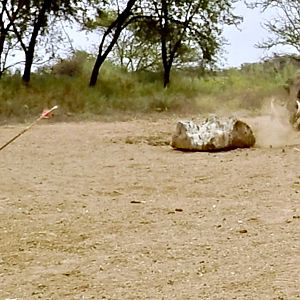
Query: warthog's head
296, 118
293, 105
298, 108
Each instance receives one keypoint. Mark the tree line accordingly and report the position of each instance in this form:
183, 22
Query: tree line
142, 34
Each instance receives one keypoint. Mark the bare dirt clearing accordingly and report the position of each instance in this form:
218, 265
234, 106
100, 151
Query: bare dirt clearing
109, 211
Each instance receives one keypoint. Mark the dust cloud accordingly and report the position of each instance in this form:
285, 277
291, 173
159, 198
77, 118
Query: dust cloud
272, 128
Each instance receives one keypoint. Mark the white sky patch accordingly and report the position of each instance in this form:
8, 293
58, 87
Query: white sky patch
241, 48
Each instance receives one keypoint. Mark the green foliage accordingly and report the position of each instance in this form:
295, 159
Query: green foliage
187, 31
139, 92
103, 19
76, 65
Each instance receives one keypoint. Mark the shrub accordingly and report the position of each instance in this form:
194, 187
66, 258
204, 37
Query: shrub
121, 91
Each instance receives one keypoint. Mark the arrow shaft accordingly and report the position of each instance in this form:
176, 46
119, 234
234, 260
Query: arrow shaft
27, 128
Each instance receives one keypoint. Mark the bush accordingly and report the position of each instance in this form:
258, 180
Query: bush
122, 91
73, 66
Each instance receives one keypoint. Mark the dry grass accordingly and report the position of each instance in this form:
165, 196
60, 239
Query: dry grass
119, 92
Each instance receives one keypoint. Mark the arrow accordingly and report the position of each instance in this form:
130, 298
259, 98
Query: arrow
45, 114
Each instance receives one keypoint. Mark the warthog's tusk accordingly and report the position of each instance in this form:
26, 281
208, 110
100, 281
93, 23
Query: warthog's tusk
298, 108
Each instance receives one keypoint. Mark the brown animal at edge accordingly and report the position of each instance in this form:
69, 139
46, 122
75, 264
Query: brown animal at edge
293, 103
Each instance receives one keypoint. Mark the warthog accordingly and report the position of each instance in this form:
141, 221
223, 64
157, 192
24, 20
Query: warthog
293, 103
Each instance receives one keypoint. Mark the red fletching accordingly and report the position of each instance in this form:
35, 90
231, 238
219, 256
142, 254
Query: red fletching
46, 114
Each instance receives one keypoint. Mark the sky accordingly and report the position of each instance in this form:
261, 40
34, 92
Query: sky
241, 42
241, 48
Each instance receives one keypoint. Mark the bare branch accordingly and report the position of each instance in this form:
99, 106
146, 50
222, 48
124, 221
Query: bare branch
285, 27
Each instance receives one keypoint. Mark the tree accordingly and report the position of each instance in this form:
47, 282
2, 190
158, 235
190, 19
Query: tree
179, 27
185, 29
32, 21
7, 40
112, 32
284, 27
134, 53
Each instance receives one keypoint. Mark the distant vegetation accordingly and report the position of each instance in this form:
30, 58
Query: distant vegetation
142, 34
191, 90
152, 56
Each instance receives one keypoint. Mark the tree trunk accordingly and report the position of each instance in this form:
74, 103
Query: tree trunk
164, 23
99, 61
2, 39
1, 51
29, 52
167, 72
3, 33
102, 57
118, 24
28, 64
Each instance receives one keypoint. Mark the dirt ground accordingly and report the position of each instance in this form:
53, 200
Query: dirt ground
107, 210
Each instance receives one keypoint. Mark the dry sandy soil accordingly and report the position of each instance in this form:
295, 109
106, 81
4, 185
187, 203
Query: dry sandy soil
107, 210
